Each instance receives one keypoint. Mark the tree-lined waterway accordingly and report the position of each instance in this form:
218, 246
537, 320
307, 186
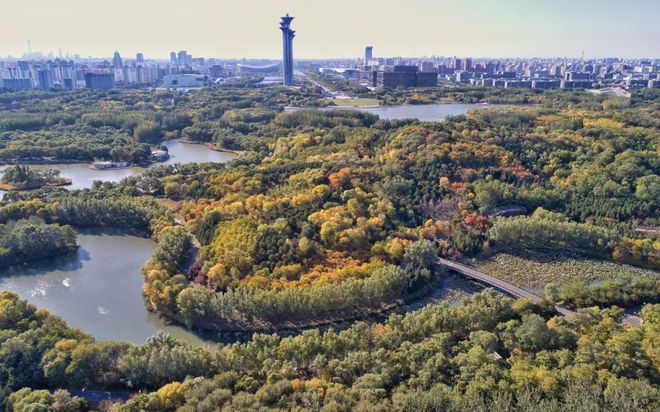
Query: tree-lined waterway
82, 176
98, 289
423, 112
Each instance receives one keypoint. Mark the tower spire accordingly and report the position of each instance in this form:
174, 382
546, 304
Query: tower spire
287, 49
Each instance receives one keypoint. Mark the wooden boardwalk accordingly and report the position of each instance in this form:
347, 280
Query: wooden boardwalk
498, 284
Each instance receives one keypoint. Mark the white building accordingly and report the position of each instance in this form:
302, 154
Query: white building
185, 81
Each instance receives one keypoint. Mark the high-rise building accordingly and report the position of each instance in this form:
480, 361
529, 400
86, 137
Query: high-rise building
139, 58
402, 76
182, 57
287, 50
99, 81
368, 54
45, 79
116, 61
16, 84
173, 58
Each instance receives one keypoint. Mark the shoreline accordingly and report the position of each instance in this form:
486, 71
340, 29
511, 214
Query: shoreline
214, 148
338, 107
49, 161
9, 187
441, 288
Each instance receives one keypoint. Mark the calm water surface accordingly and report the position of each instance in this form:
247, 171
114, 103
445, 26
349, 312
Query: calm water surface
83, 177
97, 289
423, 112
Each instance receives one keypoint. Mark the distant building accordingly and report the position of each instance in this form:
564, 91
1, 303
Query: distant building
17, 84
517, 84
185, 81
462, 77
24, 65
68, 83
368, 55
116, 61
499, 83
636, 83
403, 77
545, 84
99, 81
427, 67
287, 49
577, 76
45, 79
173, 58
159, 155
182, 58
426, 79
271, 68
216, 72
576, 84
139, 58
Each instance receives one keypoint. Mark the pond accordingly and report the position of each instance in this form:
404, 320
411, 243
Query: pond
97, 288
423, 112
83, 176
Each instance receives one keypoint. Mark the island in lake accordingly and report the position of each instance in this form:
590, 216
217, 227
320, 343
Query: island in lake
22, 177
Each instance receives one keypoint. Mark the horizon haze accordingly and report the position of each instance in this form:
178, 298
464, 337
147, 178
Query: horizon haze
480, 28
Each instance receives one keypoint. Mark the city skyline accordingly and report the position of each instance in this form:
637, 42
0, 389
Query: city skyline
339, 30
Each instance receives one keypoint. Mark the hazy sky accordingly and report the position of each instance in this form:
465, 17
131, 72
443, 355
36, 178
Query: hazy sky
334, 28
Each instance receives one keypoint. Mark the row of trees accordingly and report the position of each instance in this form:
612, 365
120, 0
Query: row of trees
248, 308
487, 353
624, 293
550, 234
122, 212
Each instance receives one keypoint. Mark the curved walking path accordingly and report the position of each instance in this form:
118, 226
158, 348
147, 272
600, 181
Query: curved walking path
497, 283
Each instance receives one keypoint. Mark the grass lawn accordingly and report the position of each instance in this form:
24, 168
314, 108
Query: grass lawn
534, 270
356, 102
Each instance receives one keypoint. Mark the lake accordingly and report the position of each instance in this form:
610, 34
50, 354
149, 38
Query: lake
423, 112
97, 288
82, 176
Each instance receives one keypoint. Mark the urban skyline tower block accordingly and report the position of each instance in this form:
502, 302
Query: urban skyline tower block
287, 49
368, 55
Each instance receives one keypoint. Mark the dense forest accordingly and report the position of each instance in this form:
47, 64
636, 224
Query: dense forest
331, 215
83, 125
487, 354
26, 240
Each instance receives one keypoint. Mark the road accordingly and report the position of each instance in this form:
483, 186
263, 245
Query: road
328, 92
497, 283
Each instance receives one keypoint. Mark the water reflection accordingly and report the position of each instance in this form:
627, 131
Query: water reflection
423, 112
97, 288
83, 176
